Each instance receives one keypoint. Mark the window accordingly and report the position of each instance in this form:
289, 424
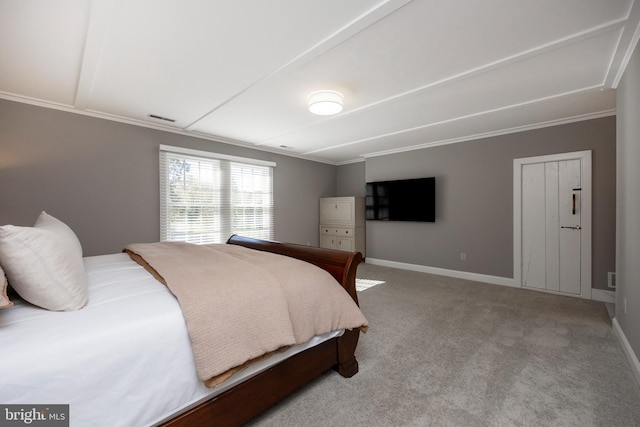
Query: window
206, 197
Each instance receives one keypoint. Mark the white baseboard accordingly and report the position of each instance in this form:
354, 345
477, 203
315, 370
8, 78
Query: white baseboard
596, 294
603, 295
476, 277
628, 351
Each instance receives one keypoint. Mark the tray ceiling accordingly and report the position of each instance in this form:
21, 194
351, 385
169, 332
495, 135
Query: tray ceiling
413, 73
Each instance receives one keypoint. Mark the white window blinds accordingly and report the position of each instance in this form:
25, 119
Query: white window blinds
206, 197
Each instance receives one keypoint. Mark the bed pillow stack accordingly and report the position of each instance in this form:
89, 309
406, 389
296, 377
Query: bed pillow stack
44, 264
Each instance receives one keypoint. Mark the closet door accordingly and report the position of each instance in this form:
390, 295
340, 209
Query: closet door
553, 250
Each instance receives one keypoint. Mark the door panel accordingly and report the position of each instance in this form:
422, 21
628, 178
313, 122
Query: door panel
337, 210
533, 220
570, 220
551, 226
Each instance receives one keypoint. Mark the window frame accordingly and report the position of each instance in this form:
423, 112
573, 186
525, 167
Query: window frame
225, 191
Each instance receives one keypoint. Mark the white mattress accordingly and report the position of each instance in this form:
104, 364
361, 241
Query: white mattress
123, 360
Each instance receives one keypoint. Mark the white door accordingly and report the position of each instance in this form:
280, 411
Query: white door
553, 223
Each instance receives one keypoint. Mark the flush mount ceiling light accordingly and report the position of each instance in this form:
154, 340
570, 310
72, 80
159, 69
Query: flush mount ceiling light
325, 102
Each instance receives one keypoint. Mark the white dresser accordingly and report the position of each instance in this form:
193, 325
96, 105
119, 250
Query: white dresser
342, 224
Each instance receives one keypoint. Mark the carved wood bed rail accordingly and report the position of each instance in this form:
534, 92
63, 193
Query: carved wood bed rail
246, 400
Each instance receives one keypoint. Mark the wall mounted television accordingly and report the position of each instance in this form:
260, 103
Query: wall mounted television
401, 200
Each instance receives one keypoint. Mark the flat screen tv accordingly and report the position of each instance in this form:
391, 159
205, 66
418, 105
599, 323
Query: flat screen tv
402, 200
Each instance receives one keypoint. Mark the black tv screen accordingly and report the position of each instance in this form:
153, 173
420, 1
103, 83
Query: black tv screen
402, 200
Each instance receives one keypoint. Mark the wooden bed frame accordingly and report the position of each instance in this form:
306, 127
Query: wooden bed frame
246, 400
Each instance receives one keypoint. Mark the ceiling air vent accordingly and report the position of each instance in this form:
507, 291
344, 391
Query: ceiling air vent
166, 119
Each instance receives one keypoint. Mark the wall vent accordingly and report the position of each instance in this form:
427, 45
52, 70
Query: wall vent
611, 280
166, 119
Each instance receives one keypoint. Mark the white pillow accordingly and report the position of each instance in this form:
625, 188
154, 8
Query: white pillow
4, 299
44, 264
47, 222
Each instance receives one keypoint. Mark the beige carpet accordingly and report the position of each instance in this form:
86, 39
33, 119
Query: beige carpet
448, 352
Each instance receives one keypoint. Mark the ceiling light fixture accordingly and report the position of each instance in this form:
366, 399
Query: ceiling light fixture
325, 102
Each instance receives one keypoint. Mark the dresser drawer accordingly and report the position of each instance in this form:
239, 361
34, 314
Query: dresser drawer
336, 231
339, 243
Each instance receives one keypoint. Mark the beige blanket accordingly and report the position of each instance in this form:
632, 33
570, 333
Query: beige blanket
241, 304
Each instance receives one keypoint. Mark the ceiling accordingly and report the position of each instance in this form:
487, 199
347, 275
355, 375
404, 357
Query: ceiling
413, 73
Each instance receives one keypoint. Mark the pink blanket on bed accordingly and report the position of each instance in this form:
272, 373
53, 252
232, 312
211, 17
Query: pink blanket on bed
241, 304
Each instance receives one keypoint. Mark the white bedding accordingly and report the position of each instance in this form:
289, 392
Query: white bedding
123, 360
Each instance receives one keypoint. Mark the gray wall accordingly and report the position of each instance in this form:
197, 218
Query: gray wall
351, 180
101, 177
628, 204
474, 187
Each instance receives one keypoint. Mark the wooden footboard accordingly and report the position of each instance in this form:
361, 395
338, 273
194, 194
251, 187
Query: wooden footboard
246, 400
341, 265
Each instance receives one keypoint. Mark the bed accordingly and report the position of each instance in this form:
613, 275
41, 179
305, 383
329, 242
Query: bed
125, 358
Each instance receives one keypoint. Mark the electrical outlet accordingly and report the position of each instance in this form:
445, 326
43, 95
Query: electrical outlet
463, 256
